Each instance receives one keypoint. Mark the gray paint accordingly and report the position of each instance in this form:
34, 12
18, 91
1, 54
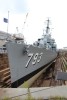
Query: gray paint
17, 61
61, 76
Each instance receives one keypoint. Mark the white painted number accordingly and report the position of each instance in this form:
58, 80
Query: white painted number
40, 55
36, 58
29, 55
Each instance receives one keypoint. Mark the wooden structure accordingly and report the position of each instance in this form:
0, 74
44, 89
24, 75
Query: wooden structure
5, 78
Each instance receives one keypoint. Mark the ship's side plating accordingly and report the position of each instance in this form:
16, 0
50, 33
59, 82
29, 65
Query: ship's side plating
23, 64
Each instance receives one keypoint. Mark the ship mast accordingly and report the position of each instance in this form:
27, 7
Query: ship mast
47, 28
25, 21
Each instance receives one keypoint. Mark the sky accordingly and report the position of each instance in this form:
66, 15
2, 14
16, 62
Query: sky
38, 12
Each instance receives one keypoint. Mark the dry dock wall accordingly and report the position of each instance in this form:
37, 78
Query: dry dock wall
5, 78
3, 61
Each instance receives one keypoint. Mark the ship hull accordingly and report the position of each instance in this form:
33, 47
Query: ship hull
24, 65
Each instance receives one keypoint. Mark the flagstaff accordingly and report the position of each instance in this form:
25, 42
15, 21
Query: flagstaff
8, 22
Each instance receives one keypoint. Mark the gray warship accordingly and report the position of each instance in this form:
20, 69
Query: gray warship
27, 60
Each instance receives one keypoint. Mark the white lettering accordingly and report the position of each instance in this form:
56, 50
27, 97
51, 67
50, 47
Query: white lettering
37, 57
29, 55
40, 55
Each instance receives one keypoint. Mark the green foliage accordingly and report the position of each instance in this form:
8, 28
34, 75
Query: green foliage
29, 95
25, 85
17, 99
6, 98
57, 98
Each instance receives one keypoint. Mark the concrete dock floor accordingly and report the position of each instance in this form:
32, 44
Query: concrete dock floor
42, 92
